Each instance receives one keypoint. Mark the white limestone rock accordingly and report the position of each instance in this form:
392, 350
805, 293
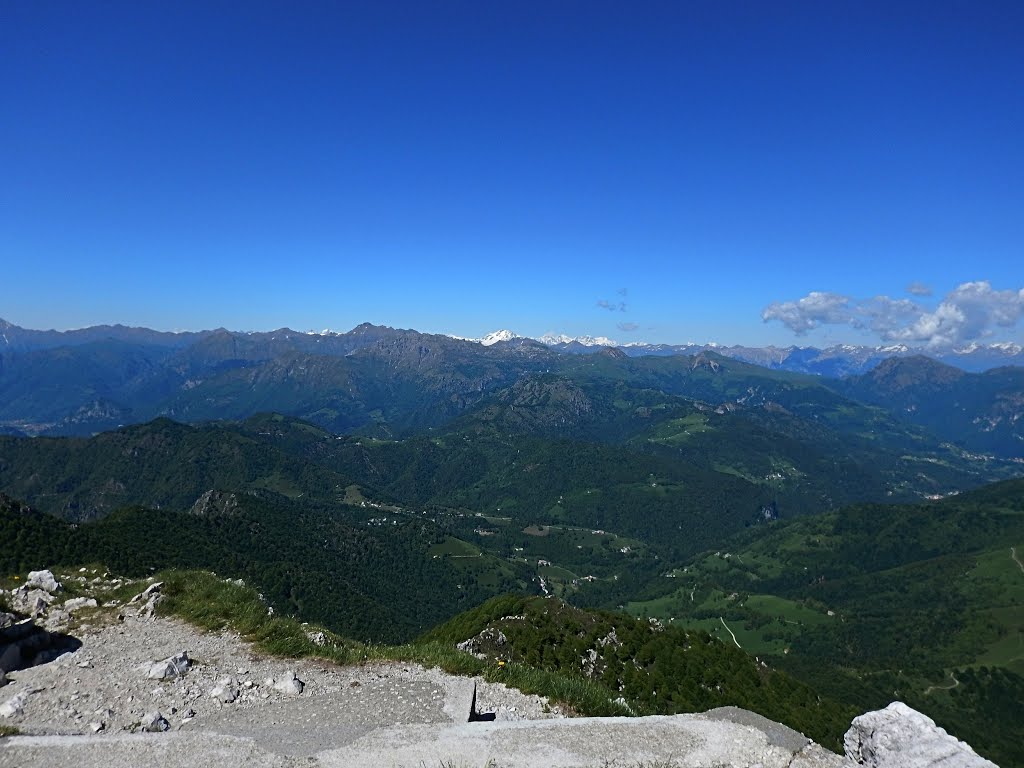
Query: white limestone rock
15, 705
289, 684
147, 593
901, 737
44, 580
32, 600
226, 691
154, 722
56, 620
318, 639
75, 603
170, 668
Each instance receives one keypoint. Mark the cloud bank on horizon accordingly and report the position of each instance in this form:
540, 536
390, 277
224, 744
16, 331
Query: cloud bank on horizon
972, 312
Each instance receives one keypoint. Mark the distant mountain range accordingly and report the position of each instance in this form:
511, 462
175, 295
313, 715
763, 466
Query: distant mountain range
381, 479
835, 361
389, 382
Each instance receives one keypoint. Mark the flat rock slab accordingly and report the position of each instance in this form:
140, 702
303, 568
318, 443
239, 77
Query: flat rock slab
307, 725
681, 740
164, 750
777, 733
686, 741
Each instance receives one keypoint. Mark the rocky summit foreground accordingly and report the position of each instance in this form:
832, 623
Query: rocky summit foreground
143, 690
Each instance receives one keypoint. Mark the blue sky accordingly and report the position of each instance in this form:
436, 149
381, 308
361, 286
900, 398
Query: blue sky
463, 166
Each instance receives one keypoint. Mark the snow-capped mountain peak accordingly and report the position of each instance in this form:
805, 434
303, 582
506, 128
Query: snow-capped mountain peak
1007, 347
552, 339
496, 336
1003, 347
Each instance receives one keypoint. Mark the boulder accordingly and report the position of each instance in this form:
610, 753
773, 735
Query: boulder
3, 678
32, 601
15, 705
901, 737
171, 667
154, 722
56, 619
44, 580
288, 684
80, 602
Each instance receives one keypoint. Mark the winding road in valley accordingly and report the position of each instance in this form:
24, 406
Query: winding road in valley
1013, 554
931, 688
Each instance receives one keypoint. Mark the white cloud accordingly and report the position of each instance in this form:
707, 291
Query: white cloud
806, 314
971, 312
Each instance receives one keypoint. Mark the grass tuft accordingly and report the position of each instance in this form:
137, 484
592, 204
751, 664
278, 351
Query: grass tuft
211, 603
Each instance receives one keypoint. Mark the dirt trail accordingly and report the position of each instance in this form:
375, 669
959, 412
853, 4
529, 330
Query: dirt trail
931, 688
1013, 554
730, 632
105, 687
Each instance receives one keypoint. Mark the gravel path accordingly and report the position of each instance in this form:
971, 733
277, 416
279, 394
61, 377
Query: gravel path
104, 688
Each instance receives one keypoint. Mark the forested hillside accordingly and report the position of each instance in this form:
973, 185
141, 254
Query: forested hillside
370, 583
657, 668
919, 602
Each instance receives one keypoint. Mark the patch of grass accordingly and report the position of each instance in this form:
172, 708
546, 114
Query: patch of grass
203, 599
208, 602
556, 572
453, 547
8, 730
677, 431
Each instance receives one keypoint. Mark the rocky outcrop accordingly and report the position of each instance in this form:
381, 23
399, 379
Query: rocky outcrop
901, 737
43, 580
215, 503
150, 597
23, 643
76, 603
489, 640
